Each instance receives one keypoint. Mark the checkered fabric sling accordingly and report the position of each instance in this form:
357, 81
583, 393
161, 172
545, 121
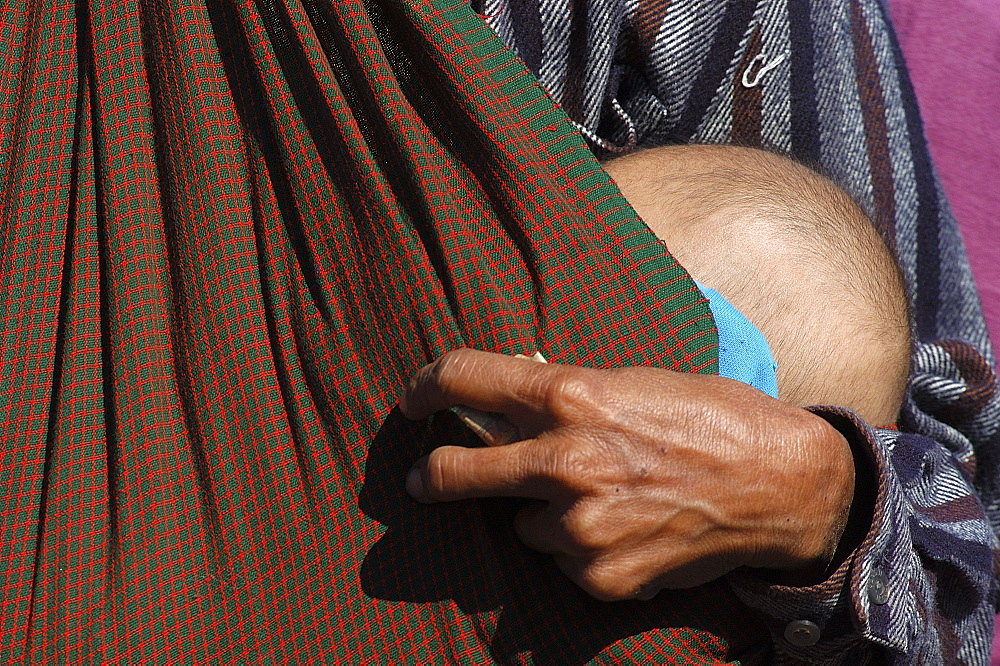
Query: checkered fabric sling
231, 229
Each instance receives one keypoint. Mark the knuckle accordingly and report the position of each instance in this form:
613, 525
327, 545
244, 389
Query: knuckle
571, 462
576, 466
570, 395
587, 532
429, 388
447, 370
588, 465
439, 470
606, 584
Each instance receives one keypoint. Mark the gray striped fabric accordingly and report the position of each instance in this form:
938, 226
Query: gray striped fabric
827, 84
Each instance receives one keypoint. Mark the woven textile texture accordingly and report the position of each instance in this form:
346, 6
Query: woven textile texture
823, 80
229, 231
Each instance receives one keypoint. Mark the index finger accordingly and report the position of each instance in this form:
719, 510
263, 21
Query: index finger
477, 379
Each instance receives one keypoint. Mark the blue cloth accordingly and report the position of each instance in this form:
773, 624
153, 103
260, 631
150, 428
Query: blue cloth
744, 354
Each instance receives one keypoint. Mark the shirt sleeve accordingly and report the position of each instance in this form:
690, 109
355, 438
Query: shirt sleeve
925, 535
824, 81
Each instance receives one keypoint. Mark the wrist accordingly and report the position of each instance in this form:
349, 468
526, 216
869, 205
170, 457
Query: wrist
860, 514
819, 501
857, 518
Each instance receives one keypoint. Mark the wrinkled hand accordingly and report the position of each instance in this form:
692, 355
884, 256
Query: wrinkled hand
645, 479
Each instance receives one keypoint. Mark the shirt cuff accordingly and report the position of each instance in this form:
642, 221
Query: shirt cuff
865, 597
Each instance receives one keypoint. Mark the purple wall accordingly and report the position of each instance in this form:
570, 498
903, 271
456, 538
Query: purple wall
953, 52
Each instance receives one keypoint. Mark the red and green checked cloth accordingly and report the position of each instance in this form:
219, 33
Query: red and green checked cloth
231, 230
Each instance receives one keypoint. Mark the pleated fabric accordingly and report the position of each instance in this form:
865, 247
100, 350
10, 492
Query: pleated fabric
230, 230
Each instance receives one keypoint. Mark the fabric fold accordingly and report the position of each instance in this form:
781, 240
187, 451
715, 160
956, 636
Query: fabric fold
232, 230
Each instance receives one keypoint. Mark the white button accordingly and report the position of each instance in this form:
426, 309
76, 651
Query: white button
802, 633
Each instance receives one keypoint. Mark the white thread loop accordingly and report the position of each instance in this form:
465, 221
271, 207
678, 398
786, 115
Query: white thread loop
765, 67
607, 145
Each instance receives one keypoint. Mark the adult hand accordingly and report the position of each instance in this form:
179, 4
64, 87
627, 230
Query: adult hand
644, 478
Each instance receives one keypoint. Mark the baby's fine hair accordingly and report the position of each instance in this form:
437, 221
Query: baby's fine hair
797, 255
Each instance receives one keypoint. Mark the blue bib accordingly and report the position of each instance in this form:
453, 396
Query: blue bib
744, 354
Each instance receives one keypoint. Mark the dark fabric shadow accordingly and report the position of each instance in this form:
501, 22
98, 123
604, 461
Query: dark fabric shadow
468, 552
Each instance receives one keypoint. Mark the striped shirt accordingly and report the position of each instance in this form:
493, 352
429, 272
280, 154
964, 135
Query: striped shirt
823, 80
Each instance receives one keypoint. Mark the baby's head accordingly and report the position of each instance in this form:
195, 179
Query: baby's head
796, 255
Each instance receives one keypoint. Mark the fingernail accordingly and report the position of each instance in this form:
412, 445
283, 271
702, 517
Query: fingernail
415, 484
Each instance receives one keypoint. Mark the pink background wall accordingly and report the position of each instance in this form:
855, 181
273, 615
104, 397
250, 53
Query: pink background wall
953, 53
